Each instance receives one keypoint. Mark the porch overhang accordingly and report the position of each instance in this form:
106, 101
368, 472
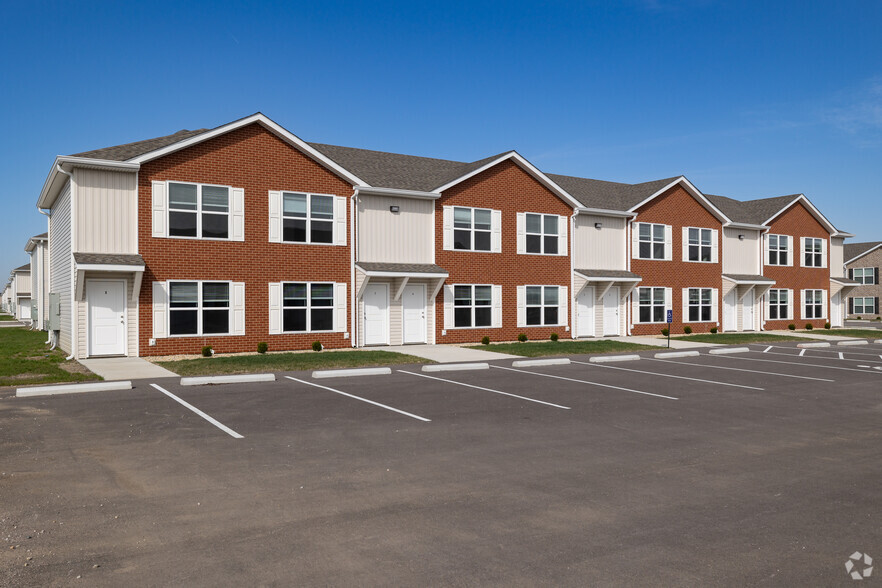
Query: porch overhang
403, 271
606, 279
758, 284
843, 286
108, 263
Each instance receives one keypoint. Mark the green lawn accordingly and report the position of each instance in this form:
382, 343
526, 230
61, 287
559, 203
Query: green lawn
25, 359
860, 333
287, 362
6, 317
736, 338
540, 348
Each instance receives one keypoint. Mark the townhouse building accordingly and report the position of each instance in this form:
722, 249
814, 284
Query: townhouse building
6, 298
862, 262
246, 233
37, 249
20, 295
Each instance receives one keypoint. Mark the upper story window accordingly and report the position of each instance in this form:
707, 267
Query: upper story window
779, 250
542, 233
199, 308
813, 252
651, 241
865, 275
700, 243
307, 307
307, 218
201, 211
471, 228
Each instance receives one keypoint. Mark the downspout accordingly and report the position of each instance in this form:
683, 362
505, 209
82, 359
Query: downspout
352, 254
73, 301
628, 305
572, 303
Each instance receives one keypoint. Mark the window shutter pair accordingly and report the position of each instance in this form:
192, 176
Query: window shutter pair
562, 242
563, 317
635, 241
876, 278
850, 305
522, 234
522, 306
161, 302
448, 307
275, 218
669, 248
160, 211
496, 320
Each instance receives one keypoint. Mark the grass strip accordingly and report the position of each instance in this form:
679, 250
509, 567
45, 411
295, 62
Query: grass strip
25, 359
737, 338
859, 333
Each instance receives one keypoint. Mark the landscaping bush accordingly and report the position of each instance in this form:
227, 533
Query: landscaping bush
791, 326
826, 325
808, 327
713, 330
687, 329
207, 351
522, 337
879, 318
262, 347
554, 337
485, 340
317, 346
665, 332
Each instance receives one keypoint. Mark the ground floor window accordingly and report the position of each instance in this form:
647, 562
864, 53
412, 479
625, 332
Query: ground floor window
543, 303
199, 308
700, 304
472, 306
864, 305
307, 307
779, 304
651, 302
813, 304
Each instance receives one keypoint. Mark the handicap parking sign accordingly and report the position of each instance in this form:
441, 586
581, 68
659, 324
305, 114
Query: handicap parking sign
670, 316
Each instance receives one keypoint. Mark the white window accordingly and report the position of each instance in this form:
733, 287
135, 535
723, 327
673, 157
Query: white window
307, 307
472, 306
700, 243
543, 305
813, 304
651, 241
652, 304
864, 305
307, 218
700, 302
199, 308
778, 250
200, 211
542, 233
471, 228
779, 304
865, 275
812, 252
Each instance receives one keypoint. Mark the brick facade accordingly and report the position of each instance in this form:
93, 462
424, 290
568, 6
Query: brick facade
871, 260
258, 161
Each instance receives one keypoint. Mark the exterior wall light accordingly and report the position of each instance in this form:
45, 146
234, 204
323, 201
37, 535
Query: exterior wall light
598, 225
393, 209
741, 237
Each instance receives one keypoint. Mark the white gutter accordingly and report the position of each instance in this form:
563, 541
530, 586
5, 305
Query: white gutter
352, 250
572, 274
605, 212
628, 228
377, 191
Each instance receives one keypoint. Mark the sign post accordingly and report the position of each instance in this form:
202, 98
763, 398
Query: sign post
670, 320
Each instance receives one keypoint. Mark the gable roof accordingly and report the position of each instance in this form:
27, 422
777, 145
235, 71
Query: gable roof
609, 195
753, 212
853, 251
25, 268
128, 151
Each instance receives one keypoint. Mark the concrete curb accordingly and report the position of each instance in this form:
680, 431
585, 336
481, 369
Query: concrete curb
540, 362
810, 345
456, 367
672, 354
242, 379
378, 371
612, 358
726, 350
878, 342
72, 388
859, 342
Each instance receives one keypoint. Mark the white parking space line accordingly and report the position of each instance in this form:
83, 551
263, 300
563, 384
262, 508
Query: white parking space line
816, 350
413, 416
584, 382
841, 355
815, 357
719, 367
793, 363
802, 352
485, 389
668, 375
211, 420
766, 350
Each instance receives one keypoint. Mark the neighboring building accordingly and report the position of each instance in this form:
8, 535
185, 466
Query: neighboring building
862, 261
21, 292
6, 298
38, 250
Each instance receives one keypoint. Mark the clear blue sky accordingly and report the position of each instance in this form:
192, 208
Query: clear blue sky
746, 99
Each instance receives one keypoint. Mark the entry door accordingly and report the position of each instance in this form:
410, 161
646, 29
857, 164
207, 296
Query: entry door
376, 314
585, 313
106, 300
24, 309
413, 305
836, 310
747, 311
611, 312
730, 312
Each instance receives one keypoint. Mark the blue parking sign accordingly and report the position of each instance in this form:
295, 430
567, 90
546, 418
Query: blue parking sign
670, 316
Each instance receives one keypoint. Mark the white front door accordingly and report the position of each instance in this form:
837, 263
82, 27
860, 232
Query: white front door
376, 314
611, 312
413, 308
24, 309
836, 310
106, 301
747, 311
730, 312
585, 313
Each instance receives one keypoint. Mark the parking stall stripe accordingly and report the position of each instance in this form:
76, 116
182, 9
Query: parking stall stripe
413, 416
793, 363
486, 389
814, 357
815, 350
719, 367
801, 352
585, 382
214, 422
669, 375
766, 350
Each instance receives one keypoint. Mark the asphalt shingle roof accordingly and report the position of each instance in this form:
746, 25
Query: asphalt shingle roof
108, 259
132, 150
403, 268
853, 250
752, 212
598, 273
25, 268
608, 195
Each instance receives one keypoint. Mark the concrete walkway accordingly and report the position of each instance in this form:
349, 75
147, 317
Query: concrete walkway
657, 342
449, 353
804, 335
11, 324
126, 368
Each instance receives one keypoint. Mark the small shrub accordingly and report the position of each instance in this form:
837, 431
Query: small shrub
791, 326
317, 346
687, 329
713, 330
485, 340
207, 351
826, 325
808, 327
262, 347
554, 337
857, 318
879, 318
522, 337
665, 332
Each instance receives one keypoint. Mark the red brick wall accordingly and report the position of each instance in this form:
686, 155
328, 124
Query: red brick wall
508, 188
258, 161
678, 208
798, 222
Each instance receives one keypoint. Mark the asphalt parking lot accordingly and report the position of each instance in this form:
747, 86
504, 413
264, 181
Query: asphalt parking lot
753, 468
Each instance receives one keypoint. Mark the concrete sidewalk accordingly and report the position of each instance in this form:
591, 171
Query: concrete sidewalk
126, 368
820, 336
661, 342
11, 324
449, 353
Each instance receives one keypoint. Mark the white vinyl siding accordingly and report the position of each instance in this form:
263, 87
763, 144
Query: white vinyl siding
60, 262
106, 211
741, 256
599, 248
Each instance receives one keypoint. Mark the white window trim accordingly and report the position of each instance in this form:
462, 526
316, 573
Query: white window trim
308, 307
687, 244
710, 305
543, 234
823, 303
198, 212
864, 276
308, 220
789, 250
199, 308
789, 306
472, 306
872, 300
664, 302
819, 253
472, 230
664, 241
543, 306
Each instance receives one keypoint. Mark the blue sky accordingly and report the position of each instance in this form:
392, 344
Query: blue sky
746, 99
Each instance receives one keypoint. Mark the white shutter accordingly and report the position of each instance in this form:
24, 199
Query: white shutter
791, 249
685, 243
635, 240
824, 303
522, 232
715, 305
802, 304
767, 305
668, 301
635, 305
495, 231
275, 217
684, 307
160, 309
669, 249
801, 250
275, 308
340, 308
562, 235
790, 303
522, 306
238, 308
563, 311
765, 250
160, 217
496, 321
237, 217
823, 252
339, 220
447, 229
715, 246
448, 307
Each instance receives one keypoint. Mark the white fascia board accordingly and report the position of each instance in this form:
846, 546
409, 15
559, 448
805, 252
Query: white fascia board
525, 165
845, 281
605, 212
811, 207
267, 123
376, 191
749, 282
842, 234
401, 274
870, 250
696, 193
51, 187
605, 278
98, 267
746, 226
